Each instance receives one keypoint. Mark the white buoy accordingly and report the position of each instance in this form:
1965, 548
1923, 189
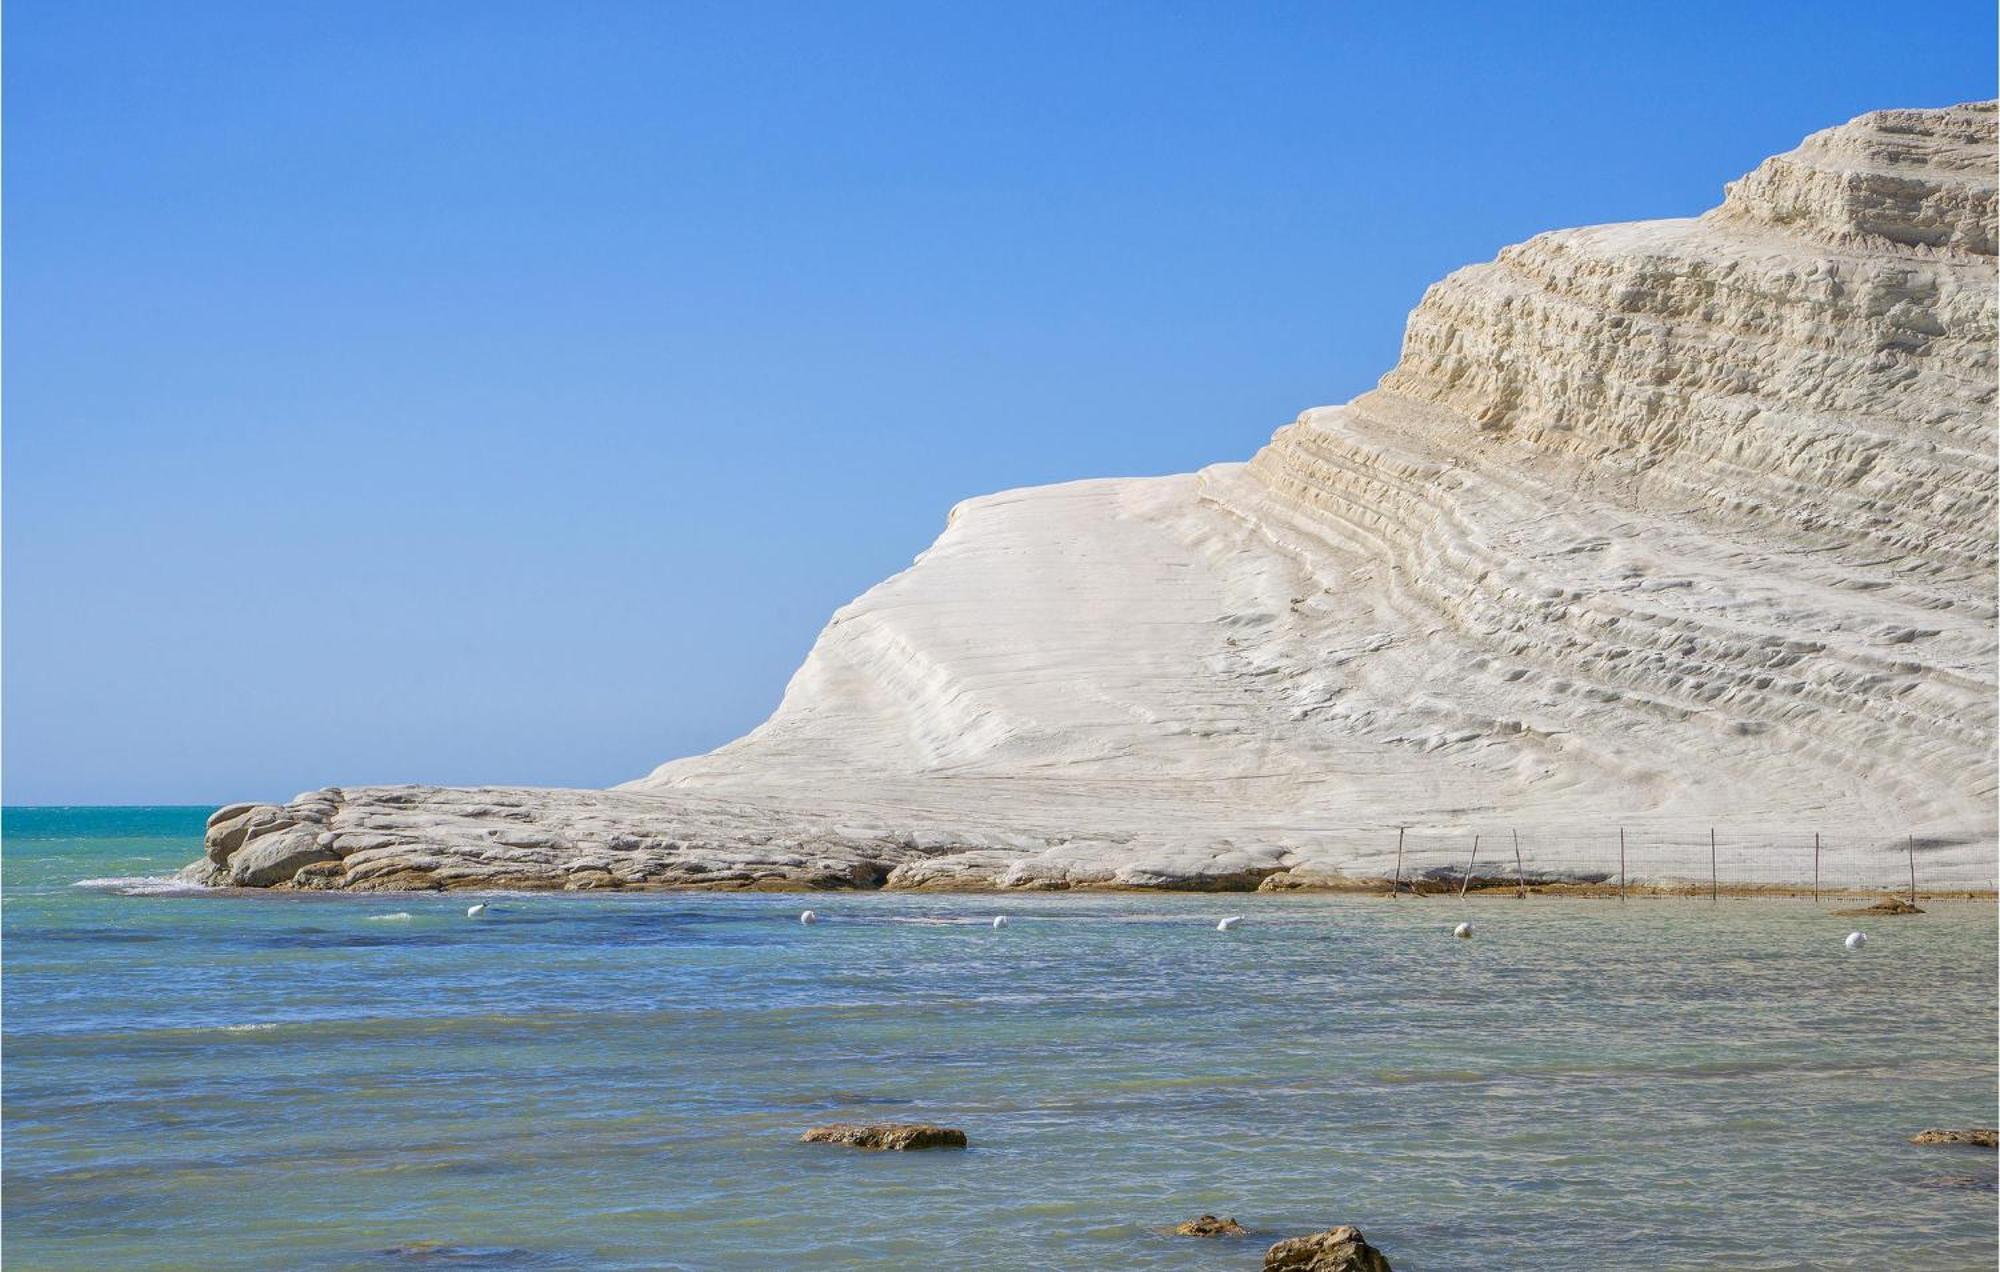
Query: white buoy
1855, 940
999, 920
1229, 923
808, 917
1463, 931
474, 911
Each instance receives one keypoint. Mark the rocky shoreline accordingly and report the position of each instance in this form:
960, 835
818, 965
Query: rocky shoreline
429, 839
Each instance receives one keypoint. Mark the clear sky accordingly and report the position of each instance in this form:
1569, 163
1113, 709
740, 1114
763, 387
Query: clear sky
507, 392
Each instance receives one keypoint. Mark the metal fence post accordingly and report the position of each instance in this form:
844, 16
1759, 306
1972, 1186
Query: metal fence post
1520, 879
1396, 889
1466, 882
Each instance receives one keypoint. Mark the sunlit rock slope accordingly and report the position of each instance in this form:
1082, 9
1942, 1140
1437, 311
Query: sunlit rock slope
1661, 526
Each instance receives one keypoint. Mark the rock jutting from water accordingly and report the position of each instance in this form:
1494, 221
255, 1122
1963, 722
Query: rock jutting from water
1975, 1137
1210, 1226
1660, 525
899, 1137
1341, 1249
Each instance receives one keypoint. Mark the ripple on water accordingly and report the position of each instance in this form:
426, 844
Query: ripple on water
620, 1082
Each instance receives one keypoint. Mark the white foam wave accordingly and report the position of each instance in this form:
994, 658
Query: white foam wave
399, 916
140, 885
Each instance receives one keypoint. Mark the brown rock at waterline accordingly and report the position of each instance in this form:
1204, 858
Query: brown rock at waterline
886, 1136
1972, 1137
1210, 1226
1341, 1249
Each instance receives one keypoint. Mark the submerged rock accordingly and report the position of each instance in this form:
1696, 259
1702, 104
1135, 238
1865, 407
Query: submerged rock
888, 1136
1341, 1249
1210, 1226
1975, 1137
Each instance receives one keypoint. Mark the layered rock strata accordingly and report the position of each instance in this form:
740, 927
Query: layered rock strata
1659, 526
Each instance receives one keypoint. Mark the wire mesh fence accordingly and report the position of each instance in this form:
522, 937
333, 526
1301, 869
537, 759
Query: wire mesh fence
1651, 860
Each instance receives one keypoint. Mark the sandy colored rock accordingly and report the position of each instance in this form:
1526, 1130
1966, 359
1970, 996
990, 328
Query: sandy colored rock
1976, 1137
277, 858
228, 812
891, 1136
1210, 1226
1663, 526
230, 828
1340, 1249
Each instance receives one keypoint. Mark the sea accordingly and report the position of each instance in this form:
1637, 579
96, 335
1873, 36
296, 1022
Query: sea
613, 1081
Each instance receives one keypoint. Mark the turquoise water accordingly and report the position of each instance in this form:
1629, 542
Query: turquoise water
607, 1081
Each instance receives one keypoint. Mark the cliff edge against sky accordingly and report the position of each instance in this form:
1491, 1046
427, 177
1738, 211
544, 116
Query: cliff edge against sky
1664, 525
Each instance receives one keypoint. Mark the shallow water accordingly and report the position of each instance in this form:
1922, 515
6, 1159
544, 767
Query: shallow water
620, 1081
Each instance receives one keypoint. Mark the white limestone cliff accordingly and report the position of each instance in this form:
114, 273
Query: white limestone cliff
1667, 525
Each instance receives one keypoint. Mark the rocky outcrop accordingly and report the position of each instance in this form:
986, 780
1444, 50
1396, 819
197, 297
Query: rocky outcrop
439, 838
1660, 526
1975, 1137
886, 1136
1341, 1249
1210, 1226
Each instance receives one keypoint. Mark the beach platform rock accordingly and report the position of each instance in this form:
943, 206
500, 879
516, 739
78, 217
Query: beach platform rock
1210, 1226
1341, 1249
886, 1136
1974, 1137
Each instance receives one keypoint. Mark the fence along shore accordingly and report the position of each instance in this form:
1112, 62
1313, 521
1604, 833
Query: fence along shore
1646, 862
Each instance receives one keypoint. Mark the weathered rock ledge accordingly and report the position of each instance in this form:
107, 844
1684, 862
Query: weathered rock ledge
440, 838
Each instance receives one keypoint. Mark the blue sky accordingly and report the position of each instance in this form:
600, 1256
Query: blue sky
487, 392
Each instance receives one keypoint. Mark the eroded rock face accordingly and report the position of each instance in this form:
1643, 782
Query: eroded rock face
1667, 525
886, 1136
278, 857
1341, 1249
